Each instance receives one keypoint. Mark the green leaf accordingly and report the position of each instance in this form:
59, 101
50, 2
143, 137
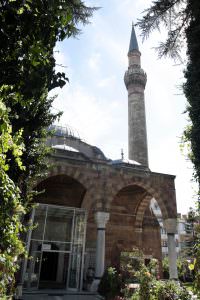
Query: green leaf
20, 11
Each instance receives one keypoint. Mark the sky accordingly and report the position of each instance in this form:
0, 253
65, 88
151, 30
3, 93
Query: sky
95, 101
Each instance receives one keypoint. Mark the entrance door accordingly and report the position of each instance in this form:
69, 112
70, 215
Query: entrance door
55, 259
54, 270
49, 267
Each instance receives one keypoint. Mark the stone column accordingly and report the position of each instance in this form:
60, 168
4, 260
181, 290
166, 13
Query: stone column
101, 219
171, 228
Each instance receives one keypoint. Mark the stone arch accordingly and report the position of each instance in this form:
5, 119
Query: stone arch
60, 190
92, 195
146, 184
140, 211
147, 231
92, 199
73, 172
120, 232
130, 198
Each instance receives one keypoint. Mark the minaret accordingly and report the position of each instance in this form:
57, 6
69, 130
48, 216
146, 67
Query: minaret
135, 81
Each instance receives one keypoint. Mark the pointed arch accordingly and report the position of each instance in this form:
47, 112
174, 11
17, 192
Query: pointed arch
154, 191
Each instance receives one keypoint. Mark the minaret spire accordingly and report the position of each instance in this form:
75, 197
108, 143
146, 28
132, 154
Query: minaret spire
133, 41
135, 81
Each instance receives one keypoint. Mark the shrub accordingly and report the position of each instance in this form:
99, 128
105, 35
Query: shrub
110, 284
169, 290
130, 264
145, 280
152, 289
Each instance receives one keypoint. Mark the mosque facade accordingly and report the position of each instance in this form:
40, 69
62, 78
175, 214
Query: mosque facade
91, 209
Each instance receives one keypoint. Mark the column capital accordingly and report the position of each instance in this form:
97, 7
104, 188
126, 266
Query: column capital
170, 225
101, 218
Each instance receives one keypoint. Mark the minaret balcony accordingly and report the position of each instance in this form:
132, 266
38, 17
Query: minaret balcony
135, 76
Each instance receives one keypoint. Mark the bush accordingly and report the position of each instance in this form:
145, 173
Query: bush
130, 264
110, 284
169, 290
145, 280
152, 289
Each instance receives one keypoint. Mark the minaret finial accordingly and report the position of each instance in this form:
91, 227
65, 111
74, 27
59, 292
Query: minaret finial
122, 154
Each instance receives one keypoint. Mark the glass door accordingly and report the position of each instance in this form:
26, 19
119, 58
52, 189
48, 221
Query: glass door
56, 248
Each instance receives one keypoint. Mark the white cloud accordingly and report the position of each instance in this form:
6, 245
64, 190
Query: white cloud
95, 61
106, 82
83, 110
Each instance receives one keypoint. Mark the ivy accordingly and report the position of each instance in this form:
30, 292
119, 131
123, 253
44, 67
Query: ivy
10, 204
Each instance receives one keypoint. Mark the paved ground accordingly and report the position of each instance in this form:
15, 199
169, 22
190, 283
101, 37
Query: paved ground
57, 296
65, 297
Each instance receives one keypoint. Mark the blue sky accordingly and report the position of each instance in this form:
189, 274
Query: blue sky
95, 101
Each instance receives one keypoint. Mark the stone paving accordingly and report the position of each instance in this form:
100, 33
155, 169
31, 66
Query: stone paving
59, 296
63, 297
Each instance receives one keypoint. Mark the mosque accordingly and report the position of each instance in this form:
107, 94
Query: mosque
93, 208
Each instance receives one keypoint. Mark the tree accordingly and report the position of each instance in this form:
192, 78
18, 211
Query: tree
182, 20
28, 35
